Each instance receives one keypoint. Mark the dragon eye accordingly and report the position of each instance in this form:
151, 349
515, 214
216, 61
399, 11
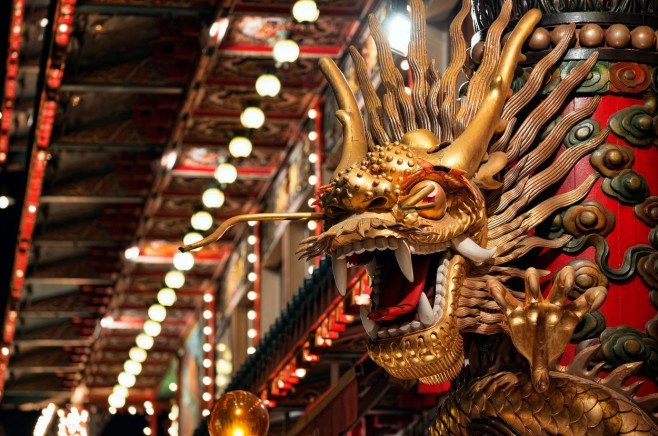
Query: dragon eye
427, 198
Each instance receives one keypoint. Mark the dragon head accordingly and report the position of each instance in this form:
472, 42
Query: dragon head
410, 207
415, 226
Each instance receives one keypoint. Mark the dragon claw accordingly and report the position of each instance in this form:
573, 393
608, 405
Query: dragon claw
541, 328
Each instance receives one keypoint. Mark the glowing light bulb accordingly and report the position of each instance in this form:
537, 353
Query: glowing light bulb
285, 50
312, 135
251, 333
201, 220
305, 11
152, 328
300, 372
398, 29
251, 350
312, 179
132, 367
240, 147
191, 238
116, 401
226, 173
237, 412
312, 114
127, 381
183, 261
121, 391
132, 410
268, 85
173, 387
252, 276
144, 341
312, 225
313, 158
166, 297
174, 279
137, 354
251, 239
251, 257
157, 312
252, 117
131, 253
213, 198
251, 314
252, 295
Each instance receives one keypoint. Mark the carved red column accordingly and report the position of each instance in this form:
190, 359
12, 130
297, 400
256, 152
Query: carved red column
615, 227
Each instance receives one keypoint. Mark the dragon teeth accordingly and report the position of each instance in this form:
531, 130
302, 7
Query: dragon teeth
469, 248
425, 311
369, 325
403, 256
339, 267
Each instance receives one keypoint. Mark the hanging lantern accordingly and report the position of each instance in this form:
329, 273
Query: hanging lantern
157, 312
226, 173
116, 401
174, 279
285, 50
201, 220
126, 380
183, 261
144, 341
212, 198
239, 413
120, 391
268, 85
240, 146
191, 238
305, 11
132, 367
137, 354
152, 328
166, 297
252, 117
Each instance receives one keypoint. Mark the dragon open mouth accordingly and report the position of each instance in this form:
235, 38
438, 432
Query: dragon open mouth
408, 281
411, 321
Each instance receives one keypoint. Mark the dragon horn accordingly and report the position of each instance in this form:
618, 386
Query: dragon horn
467, 151
355, 145
214, 236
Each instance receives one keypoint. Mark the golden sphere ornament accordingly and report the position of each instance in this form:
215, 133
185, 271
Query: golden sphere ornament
239, 413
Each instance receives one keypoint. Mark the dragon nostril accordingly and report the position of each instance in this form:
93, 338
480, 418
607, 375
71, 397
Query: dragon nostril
377, 203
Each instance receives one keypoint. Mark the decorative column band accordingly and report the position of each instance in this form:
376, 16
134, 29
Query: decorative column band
616, 37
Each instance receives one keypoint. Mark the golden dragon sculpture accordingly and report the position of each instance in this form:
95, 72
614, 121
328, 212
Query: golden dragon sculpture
436, 196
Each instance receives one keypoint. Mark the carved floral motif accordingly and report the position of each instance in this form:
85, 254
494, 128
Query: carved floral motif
624, 344
647, 211
581, 132
629, 77
590, 326
610, 159
628, 187
636, 124
588, 217
586, 275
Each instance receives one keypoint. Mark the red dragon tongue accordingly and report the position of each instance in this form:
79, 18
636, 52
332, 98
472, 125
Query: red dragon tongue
397, 295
